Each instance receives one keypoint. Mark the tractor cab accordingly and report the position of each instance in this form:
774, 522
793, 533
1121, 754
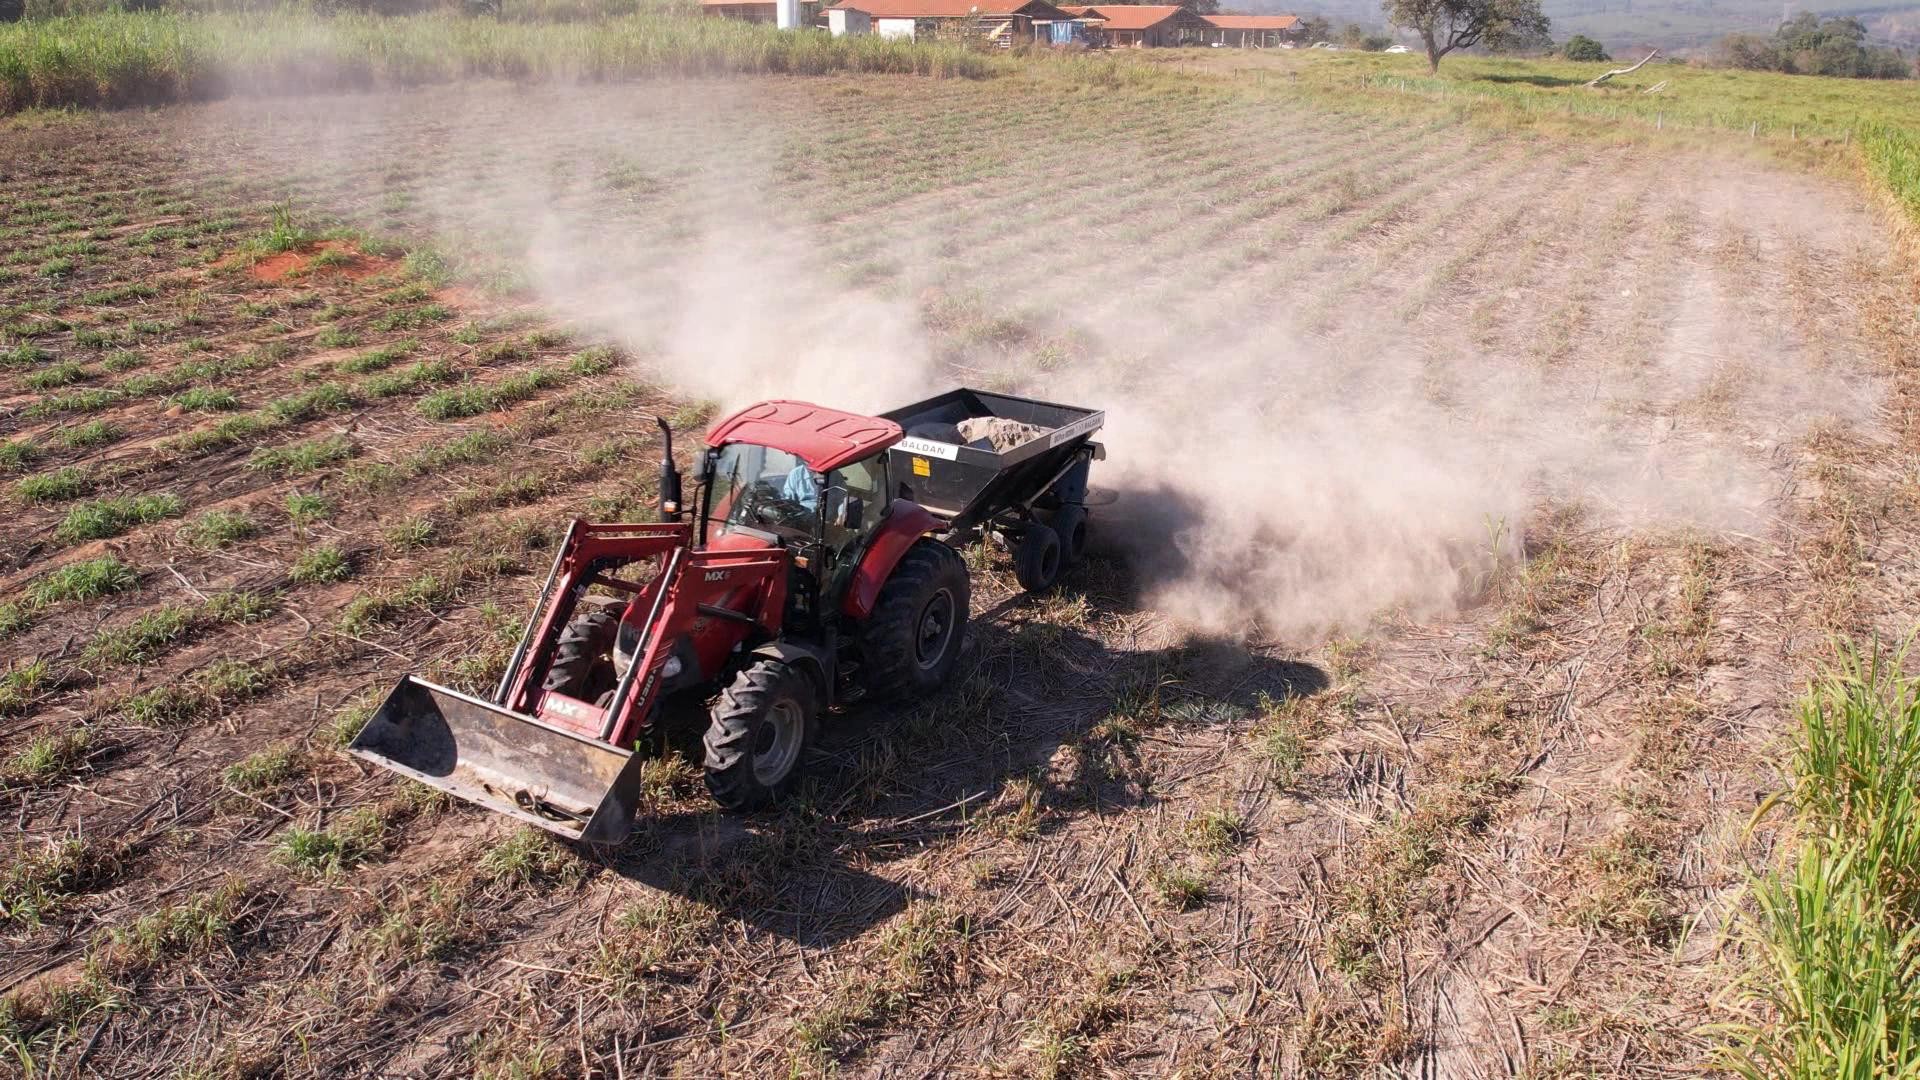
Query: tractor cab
798, 476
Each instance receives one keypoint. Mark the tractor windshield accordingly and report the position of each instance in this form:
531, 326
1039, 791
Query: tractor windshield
759, 487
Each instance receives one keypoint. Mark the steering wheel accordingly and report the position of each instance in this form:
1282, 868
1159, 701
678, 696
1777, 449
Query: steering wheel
769, 507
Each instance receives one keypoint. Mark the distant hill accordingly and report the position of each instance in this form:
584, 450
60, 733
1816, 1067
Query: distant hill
1678, 26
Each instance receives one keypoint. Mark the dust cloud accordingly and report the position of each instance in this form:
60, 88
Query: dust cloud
1286, 458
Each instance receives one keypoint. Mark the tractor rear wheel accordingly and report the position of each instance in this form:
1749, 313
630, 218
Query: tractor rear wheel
756, 733
1037, 558
582, 665
911, 641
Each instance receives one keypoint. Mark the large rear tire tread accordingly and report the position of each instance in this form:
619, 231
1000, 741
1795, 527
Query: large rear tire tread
582, 665
890, 637
734, 729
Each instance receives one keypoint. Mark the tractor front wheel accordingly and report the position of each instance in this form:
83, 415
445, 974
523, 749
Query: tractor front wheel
758, 728
912, 640
582, 665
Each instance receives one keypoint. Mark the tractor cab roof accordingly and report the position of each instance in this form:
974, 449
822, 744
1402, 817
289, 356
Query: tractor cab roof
823, 438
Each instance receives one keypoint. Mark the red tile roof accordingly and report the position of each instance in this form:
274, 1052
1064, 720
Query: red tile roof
1134, 16
1253, 22
948, 9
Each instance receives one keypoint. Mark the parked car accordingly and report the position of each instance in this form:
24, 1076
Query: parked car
1396, 49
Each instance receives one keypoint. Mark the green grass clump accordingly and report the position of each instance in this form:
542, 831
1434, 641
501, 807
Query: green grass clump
320, 565
336, 337
239, 606
301, 457
38, 883
91, 400
309, 403
1838, 931
24, 354
530, 856
206, 399
87, 580
201, 695
59, 485
218, 528
61, 374
169, 706
16, 455
597, 360
379, 359
140, 640
408, 379
304, 508
411, 533
195, 928
265, 770
47, 759
231, 431
464, 401
103, 518
122, 360
327, 852
412, 318
88, 435
21, 684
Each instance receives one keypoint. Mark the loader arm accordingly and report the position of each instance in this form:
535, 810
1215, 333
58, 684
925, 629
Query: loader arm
566, 765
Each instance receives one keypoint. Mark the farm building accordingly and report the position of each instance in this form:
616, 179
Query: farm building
761, 11
1252, 31
1003, 22
1138, 26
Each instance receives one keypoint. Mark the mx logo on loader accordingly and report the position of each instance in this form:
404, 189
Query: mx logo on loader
718, 575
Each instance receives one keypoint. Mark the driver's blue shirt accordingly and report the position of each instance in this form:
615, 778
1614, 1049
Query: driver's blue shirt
800, 488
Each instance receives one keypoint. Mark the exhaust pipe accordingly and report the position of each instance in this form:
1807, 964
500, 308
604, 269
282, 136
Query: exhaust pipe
669, 475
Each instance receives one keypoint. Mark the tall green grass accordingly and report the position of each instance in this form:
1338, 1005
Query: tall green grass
1893, 157
118, 59
1839, 931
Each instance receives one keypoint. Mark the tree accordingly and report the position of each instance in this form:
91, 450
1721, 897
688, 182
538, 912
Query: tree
1446, 25
1582, 47
1315, 28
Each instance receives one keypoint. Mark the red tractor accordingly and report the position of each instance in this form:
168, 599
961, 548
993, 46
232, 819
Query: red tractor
818, 567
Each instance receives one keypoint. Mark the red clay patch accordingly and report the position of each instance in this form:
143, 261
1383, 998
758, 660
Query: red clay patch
276, 268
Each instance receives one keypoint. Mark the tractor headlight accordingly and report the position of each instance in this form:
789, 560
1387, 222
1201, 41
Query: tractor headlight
671, 668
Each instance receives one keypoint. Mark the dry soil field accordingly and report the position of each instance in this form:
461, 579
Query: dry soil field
1481, 501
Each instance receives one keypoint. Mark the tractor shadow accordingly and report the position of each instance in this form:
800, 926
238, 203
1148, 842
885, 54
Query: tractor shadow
1044, 724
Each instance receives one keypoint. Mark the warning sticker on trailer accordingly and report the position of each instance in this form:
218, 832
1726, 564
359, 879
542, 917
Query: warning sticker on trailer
943, 451
922, 467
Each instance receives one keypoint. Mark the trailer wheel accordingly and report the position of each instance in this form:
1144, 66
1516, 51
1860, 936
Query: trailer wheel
758, 728
1036, 561
582, 665
1070, 523
912, 640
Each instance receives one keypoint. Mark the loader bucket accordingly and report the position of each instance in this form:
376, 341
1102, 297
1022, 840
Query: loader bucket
578, 787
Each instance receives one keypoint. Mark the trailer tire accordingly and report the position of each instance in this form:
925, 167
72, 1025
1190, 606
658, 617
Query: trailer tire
912, 640
582, 665
756, 732
1038, 558
1070, 523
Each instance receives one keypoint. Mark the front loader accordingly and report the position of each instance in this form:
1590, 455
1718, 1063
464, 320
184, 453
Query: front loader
803, 579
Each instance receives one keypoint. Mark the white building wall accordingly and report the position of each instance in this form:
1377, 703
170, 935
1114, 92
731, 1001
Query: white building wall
893, 28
